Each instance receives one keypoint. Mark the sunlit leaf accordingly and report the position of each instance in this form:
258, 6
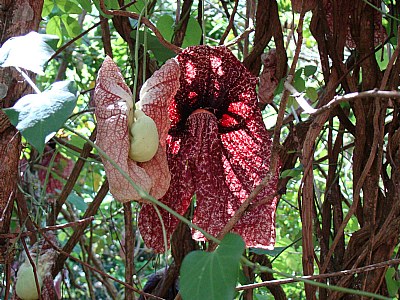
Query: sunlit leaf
48, 6
206, 275
85, 4
71, 25
110, 4
68, 7
137, 7
30, 51
292, 172
39, 116
54, 27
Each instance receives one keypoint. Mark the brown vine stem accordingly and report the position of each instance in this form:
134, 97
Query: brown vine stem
356, 192
59, 250
368, 165
240, 37
322, 276
143, 20
230, 24
275, 144
338, 99
69, 185
74, 239
48, 228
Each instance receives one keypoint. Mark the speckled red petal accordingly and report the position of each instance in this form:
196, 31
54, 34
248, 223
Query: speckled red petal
155, 96
178, 198
112, 133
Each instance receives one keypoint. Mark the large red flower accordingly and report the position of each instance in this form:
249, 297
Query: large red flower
218, 150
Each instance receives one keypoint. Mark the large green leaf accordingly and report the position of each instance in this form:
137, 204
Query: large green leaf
68, 7
166, 26
39, 116
213, 276
392, 284
71, 25
48, 6
193, 33
30, 51
137, 7
54, 27
161, 53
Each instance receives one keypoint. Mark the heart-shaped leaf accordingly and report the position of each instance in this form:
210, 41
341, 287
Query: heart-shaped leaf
30, 51
39, 116
212, 275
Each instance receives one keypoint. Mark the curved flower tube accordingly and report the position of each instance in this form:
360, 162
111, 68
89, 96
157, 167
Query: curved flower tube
113, 101
218, 151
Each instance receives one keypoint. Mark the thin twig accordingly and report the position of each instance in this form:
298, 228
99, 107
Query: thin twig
242, 36
338, 99
321, 276
34, 269
48, 228
230, 24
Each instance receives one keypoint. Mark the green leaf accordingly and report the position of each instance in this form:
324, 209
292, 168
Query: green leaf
292, 172
312, 93
68, 7
84, 4
213, 275
275, 252
71, 25
137, 7
279, 88
193, 33
309, 70
77, 201
39, 116
298, 82
161, 53
391, 283
48, 6
54, 27
30, 51
165, 25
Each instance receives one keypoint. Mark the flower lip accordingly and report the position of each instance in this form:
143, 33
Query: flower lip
213, 79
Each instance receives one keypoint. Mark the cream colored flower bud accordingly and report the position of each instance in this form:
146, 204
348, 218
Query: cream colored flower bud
144, 137
26, 286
